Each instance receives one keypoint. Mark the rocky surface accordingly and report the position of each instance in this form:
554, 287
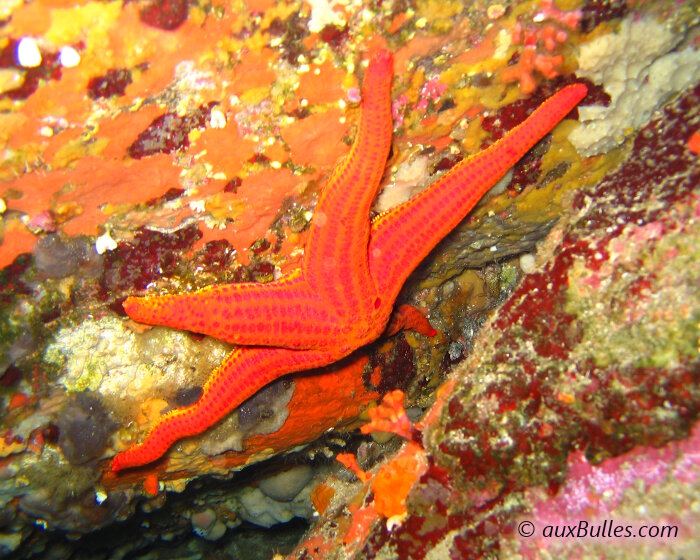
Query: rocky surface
187, 144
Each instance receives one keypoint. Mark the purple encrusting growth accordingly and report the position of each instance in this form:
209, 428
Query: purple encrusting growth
290, 33
595, 12
113, 83
397, 367
168, 133
12, 281
171, 194
165, 14
150, 255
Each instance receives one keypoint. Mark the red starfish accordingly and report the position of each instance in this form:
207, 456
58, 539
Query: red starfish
352, 271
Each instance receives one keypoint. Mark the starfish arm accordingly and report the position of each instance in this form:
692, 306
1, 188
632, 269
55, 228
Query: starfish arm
243, 373
335, 263
282, 313
408, 317
403, 236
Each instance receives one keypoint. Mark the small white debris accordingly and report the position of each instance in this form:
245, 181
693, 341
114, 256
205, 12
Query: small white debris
46, 131
3, 206
105, 243
527, 263
395, 521
217, 119
198, 205
28, 54
68, 57
100, 496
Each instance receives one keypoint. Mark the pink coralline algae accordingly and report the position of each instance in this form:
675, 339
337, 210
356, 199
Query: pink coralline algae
596, 490
550, 12
397, 109
430, 93
595, 494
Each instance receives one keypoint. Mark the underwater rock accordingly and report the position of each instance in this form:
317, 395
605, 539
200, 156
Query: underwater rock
266, 411
263, 413
566, 376
285, 485
206, 525
84, 426
58, 257
261, 510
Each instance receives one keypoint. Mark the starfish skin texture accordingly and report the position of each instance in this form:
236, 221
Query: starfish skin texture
343, 296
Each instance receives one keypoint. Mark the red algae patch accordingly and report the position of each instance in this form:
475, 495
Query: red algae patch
253, 71
322, 84
75, 196
317, 139
18, 240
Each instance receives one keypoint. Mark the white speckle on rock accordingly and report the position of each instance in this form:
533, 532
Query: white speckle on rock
198, 206
28, 54
217, 118
105, 243
68, 57
100, 496
527, 263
